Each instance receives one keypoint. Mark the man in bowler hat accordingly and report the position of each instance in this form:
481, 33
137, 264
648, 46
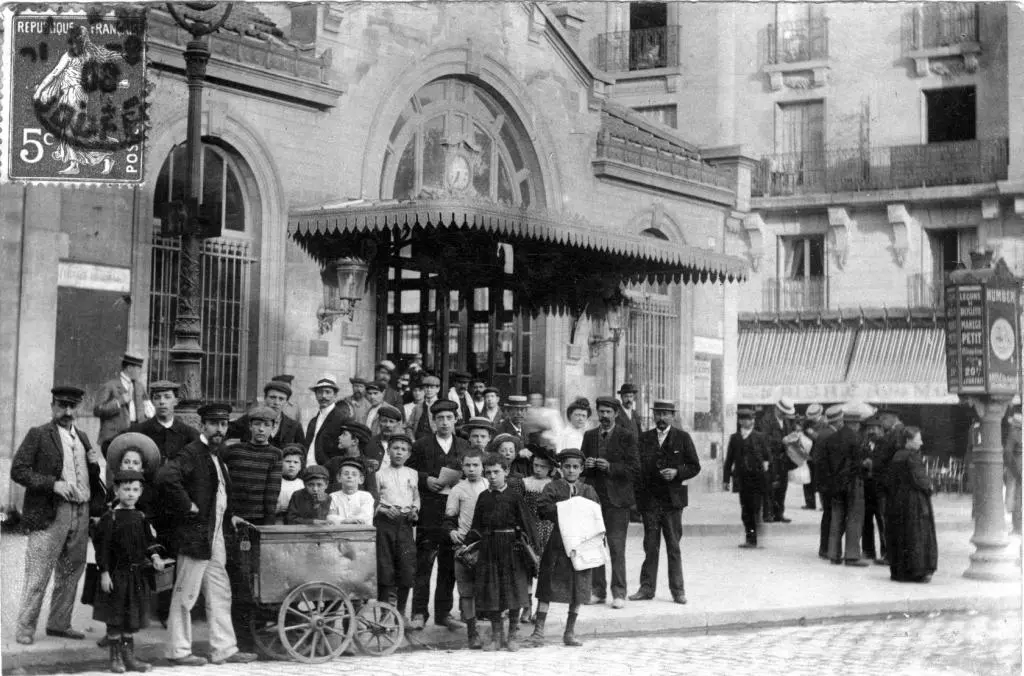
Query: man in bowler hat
121, 402
667, 459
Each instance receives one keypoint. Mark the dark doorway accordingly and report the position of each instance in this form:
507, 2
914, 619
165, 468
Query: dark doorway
952, 114
92, 336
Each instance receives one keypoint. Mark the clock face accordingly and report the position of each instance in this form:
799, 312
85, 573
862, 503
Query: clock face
458, 173
1001, 339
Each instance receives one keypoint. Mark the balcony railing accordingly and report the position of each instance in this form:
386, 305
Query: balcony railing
924, 291
789, 295
856, 169
798, 41
611, 147
637, 50
942, 24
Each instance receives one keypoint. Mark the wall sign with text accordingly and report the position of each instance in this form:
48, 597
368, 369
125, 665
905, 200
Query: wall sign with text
75, 102
983, 347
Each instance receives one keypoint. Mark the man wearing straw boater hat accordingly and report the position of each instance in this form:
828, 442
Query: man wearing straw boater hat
667, 459
323, 430
775, 426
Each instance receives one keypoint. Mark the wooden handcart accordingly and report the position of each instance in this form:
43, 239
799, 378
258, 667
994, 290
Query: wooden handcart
315, 589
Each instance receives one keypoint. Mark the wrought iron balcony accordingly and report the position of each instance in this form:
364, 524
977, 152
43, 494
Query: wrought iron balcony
798, 41
924, 291
796, 294
941, 24
644, 49
886, 168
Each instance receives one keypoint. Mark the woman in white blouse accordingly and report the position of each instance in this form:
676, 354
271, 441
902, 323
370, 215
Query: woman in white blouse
578, 415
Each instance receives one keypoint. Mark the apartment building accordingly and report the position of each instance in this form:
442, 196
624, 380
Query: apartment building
884, 141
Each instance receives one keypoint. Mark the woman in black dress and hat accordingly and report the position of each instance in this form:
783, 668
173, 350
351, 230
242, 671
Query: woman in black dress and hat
910, 522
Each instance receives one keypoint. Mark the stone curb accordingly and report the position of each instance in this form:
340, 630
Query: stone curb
86, 654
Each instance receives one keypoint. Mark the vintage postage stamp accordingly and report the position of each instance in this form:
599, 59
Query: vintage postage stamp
74, 103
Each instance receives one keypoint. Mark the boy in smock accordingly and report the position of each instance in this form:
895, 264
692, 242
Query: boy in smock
350, 505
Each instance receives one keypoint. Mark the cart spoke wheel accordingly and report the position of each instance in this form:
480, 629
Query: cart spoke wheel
267, 638
316, 622
379, 629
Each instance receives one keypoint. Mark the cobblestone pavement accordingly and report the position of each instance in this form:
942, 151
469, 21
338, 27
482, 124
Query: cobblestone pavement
952, 644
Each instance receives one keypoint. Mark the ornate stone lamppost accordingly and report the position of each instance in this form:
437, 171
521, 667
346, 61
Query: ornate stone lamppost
201, 19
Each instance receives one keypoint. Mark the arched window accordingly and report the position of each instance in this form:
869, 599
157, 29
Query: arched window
448, 114
229, 292
456, 139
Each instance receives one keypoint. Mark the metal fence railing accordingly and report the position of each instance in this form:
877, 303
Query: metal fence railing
940, 24
615, 148
924, 291
643, 49
905, 166
798, 41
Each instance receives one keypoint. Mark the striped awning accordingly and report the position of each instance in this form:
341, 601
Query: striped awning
879, 364
806, 356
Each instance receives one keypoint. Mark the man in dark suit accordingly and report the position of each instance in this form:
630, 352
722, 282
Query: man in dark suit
612, 466
515, 416
746, 463
429, 455
844, 466
121, 402
628, 416
60, 471
667, 459
322, 432
197, 487
284, 430
168, 432
834, 417
774, 427
384, 372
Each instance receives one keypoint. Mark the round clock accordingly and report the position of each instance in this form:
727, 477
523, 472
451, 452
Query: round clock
458, 173
1001, 338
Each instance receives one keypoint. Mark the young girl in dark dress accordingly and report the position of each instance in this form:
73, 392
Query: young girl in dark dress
558, 580
502, 575
534, 485
126, 547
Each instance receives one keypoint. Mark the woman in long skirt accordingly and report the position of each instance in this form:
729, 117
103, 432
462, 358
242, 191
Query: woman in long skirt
910, 521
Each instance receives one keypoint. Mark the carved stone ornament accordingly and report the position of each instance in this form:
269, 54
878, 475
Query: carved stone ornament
901, 222
841, 225
954, 66
754, 225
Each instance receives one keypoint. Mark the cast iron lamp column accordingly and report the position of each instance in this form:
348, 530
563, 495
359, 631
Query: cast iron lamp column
187, 351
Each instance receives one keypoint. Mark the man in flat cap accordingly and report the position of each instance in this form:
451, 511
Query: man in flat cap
322, 431
874, 497
60, 471
197, 486
459, 393
612, 467
843, 470
122, 401
477, 388
290, 409
492, 406
776, 426
421, 422
283, 429
384, 372
746, 464
375, 395
169, 432
628, 416
834, 420
667, 459
357, 401
389, 420
442, 449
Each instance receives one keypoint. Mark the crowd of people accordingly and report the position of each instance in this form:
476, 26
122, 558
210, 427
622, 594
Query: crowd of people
867, 470
487, 491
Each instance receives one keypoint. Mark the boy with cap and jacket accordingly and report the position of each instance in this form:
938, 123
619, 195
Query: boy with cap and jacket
398, 510
746, 463
310, 506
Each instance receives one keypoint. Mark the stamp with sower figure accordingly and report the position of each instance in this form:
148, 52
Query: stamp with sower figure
75, 105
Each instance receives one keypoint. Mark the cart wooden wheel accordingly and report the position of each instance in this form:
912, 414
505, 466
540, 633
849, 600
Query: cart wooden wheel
379, 628
316, 622
267, 638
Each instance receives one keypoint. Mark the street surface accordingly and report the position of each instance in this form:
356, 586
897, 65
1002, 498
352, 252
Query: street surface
941, 643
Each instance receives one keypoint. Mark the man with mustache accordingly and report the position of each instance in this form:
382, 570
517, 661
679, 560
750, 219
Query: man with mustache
612, 466
60, 471
197, 487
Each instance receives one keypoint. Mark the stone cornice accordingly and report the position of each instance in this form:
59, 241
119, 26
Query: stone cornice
621, 172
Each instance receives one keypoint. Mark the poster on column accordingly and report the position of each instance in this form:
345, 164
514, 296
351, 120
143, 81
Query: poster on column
1003, 339
75, 102
701, 386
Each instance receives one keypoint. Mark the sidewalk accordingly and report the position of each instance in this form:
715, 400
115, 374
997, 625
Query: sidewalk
783, 583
